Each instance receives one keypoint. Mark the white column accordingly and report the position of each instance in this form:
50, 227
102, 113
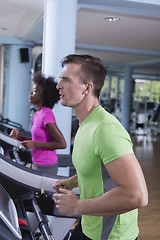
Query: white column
58, 41
17, 86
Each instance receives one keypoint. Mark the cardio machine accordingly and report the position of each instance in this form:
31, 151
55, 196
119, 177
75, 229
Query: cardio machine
31, 192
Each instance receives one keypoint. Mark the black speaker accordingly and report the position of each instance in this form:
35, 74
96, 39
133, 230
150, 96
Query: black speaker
24, 55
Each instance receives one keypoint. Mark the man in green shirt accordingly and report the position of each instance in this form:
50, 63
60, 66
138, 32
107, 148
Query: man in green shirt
110, 180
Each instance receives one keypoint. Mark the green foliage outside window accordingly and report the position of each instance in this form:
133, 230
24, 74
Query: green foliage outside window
104, 91
147, 89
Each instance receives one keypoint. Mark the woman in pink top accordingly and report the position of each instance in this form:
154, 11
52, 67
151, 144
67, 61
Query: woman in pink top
46, 136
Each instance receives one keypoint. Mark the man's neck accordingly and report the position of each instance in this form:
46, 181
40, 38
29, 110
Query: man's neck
85, 109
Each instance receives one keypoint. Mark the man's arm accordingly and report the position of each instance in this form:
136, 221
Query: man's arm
130, 193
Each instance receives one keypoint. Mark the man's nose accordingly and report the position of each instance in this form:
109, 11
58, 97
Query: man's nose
59, 85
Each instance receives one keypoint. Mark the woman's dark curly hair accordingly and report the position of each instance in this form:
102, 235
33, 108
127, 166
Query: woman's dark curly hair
48, 93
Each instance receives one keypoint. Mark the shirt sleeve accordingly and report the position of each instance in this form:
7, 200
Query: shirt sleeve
48, 117
111, 142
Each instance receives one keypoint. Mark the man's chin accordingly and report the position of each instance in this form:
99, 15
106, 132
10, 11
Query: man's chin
63, 104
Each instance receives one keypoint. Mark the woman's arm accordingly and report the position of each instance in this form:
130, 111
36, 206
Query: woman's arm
16, 135
58, 143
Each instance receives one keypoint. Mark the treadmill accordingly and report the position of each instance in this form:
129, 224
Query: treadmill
32, 191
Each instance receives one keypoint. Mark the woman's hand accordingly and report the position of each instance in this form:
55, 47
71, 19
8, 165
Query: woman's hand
14, 134
28, 144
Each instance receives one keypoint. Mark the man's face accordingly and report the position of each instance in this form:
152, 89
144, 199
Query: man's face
70, 87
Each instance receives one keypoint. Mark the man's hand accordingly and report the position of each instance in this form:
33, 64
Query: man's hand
68, 183
66, 202
64, 183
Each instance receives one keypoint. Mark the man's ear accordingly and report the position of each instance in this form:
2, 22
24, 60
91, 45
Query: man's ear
89, 88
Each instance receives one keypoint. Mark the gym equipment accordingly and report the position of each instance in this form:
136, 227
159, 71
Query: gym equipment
155, 121
14, 150
24, 157
25, 187
7, 142
9, 225
6, 125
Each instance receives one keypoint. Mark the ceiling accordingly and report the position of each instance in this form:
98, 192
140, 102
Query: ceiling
133, 40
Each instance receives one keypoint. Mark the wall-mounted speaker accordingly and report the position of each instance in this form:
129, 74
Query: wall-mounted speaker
24, 55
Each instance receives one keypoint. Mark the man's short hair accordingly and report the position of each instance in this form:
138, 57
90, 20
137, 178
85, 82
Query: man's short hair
92, 69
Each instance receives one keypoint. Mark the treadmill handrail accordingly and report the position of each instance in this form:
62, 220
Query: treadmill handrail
28, 177
14, 142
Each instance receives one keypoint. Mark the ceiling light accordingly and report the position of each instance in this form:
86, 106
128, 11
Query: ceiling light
112, 19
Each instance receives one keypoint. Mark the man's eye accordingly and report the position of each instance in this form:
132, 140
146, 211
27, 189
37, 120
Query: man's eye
67, 79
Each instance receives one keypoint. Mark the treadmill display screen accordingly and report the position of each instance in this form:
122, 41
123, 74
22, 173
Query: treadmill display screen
8, 213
